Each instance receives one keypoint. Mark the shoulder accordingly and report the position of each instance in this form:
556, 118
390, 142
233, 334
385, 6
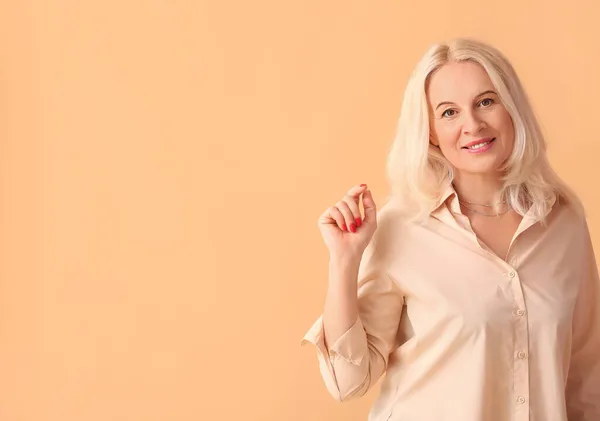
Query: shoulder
567, 223
391, 217
569, 213
391, 222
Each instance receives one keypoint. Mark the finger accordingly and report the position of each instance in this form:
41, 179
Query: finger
348, 216
354, 208
337, 217
369, 206
356, 191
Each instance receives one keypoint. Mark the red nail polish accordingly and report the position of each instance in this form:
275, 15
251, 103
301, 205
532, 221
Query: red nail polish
363, 185
352, 227
358, 222
344, 227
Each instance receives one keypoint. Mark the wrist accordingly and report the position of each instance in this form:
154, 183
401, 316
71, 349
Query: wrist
344, 262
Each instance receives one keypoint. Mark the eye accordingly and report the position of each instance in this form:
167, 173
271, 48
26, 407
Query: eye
449, 113
486, 102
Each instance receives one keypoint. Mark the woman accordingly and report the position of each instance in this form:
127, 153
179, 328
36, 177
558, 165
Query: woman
474, 289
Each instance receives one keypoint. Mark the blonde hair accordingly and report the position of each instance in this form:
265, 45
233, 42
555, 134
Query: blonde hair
419, 174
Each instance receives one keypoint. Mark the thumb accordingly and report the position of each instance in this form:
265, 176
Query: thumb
369, 206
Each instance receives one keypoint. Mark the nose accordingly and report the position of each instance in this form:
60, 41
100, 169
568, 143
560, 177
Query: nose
472, 123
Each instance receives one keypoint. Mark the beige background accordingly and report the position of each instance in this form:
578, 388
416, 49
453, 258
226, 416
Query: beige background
163, 164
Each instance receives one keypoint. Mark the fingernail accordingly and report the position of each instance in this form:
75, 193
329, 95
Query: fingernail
344, 227
352, 227
363, 185
358, 222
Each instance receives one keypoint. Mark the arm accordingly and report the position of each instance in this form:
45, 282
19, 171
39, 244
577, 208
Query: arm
356, 333
583, 383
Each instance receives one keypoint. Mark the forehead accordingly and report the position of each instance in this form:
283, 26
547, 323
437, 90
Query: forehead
458, 82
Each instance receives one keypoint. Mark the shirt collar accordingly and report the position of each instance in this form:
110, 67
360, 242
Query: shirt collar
448, 195
450, 198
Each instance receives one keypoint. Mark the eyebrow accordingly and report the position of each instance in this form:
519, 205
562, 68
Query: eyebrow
477, 96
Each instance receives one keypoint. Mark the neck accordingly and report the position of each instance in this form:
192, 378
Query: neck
480, 189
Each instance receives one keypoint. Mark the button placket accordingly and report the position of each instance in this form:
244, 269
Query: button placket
521, 346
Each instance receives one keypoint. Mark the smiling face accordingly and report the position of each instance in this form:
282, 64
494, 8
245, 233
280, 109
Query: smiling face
468, 122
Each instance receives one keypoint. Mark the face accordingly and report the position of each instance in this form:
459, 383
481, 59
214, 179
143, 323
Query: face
467, 120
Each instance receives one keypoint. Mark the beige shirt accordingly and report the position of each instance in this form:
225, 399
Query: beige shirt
463, 335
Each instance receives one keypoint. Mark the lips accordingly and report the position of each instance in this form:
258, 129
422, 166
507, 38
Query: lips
480, 143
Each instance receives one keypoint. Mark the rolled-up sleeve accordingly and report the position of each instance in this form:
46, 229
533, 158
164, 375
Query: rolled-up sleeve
583, 384
352, 363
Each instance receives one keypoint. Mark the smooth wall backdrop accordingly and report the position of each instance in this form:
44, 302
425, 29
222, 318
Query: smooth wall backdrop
163, 164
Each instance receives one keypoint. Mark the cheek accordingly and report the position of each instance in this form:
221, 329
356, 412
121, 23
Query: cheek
504, 123
507, 130
448, 136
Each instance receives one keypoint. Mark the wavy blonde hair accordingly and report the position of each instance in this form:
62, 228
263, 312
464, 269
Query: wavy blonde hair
419, 174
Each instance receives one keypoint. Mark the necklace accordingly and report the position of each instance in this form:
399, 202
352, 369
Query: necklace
477, 204
486, 214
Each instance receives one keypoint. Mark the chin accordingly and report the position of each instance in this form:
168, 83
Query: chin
491, 168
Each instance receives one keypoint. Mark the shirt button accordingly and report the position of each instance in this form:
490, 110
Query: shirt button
521, 399
511, 274
521, 355
520, 312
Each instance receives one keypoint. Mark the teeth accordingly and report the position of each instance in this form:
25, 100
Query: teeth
479, 145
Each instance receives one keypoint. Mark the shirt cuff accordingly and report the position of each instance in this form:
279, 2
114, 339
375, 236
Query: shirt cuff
351, 346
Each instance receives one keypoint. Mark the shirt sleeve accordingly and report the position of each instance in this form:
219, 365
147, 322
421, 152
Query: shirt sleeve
583, 383
356, 360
